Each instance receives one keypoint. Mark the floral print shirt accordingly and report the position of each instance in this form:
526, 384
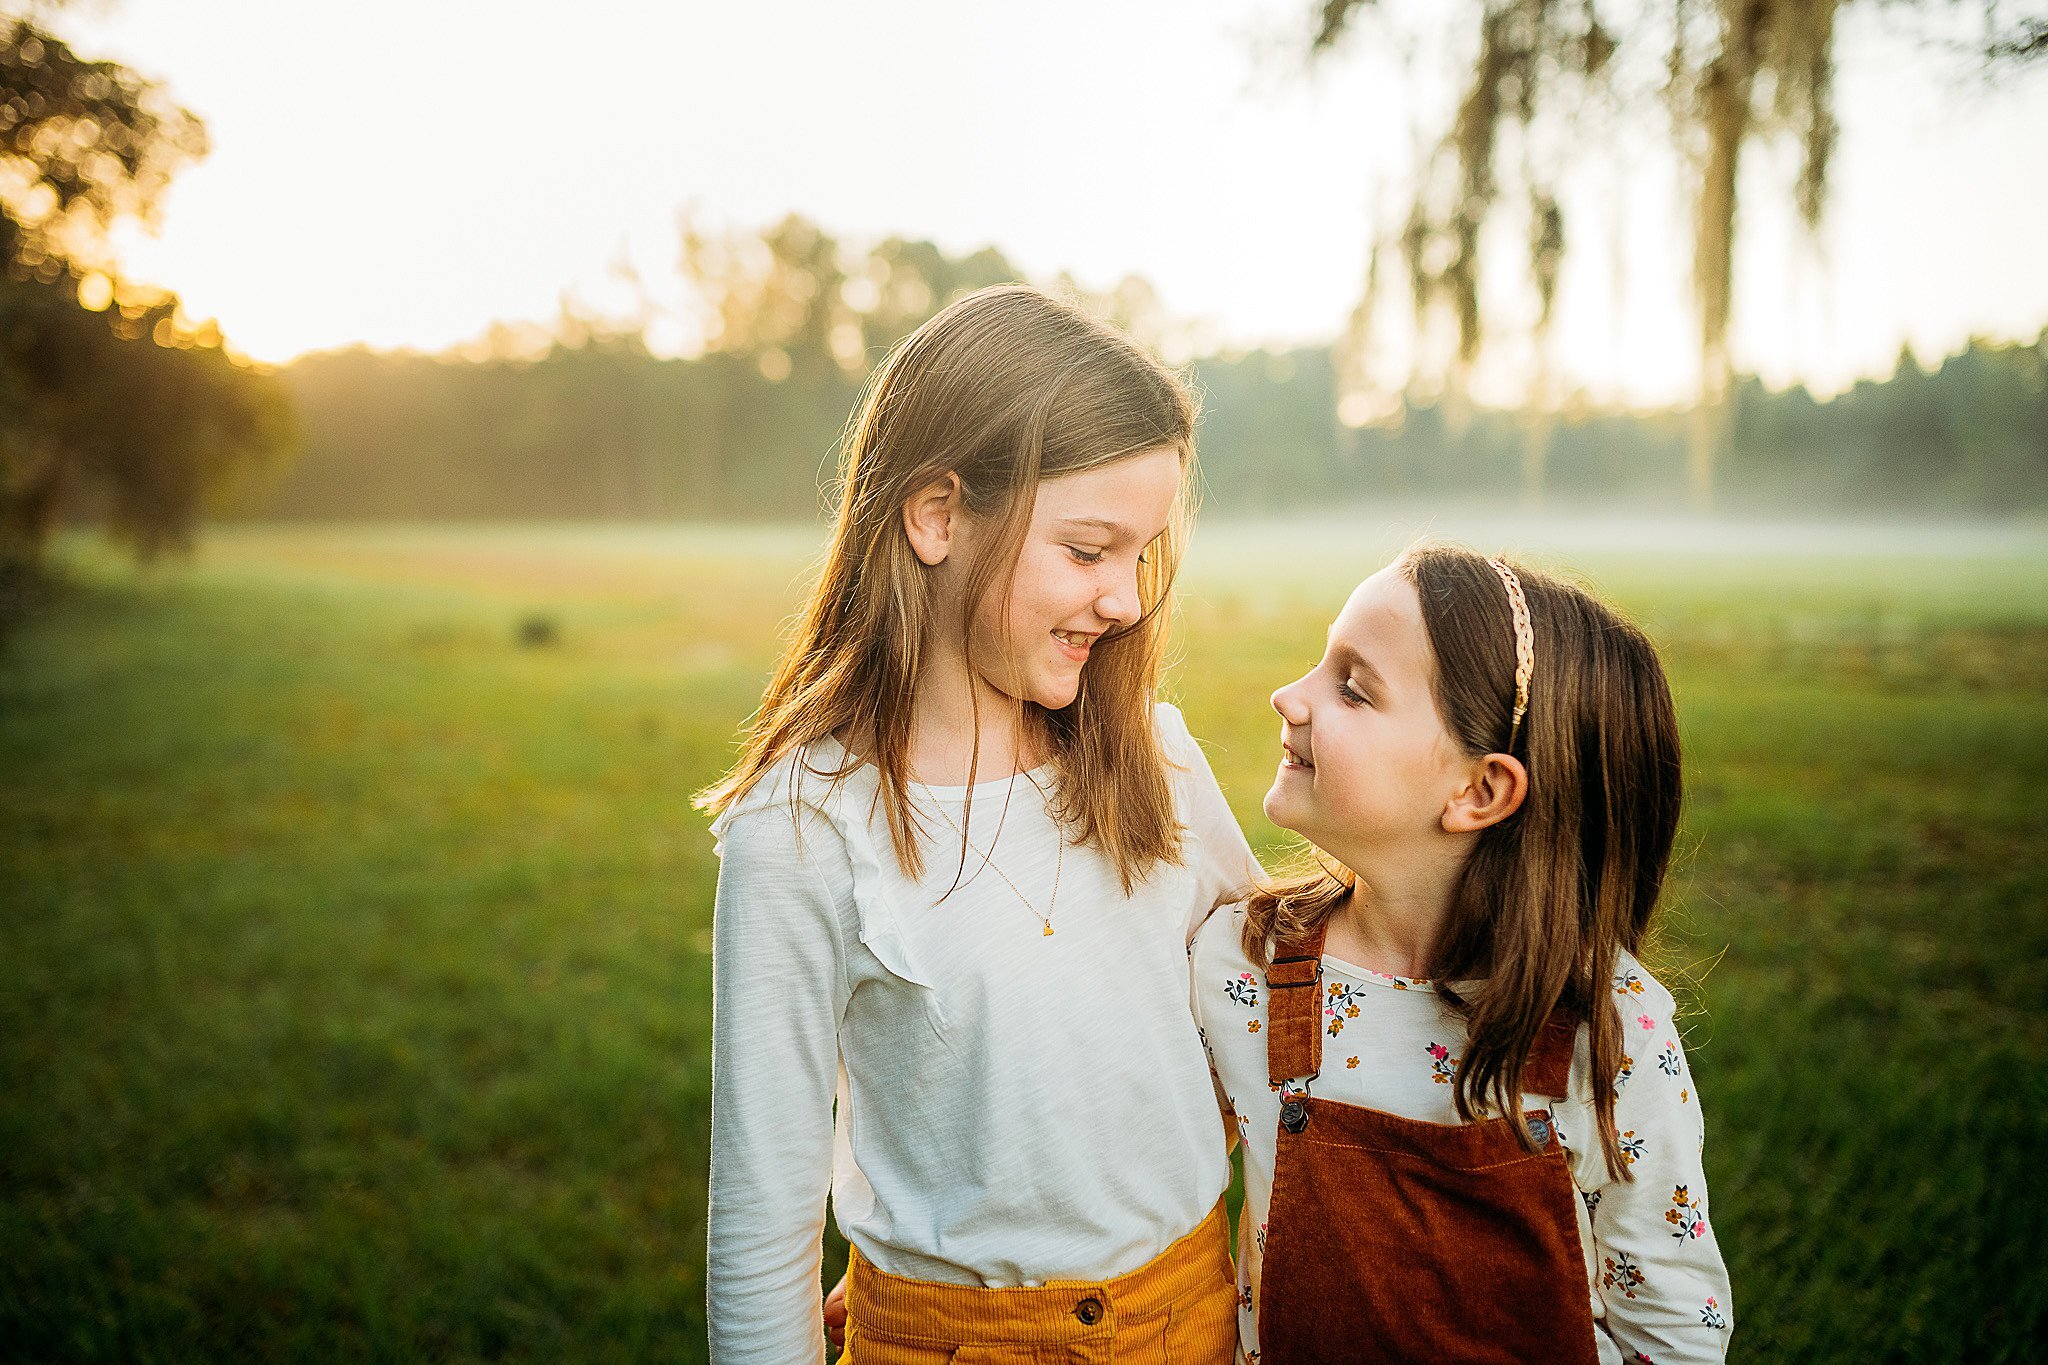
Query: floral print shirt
1654, 1274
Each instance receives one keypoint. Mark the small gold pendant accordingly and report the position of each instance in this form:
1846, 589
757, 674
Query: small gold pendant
1048, 930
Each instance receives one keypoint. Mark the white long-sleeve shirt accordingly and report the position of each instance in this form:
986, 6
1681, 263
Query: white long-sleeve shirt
988, 1105
1654, 1274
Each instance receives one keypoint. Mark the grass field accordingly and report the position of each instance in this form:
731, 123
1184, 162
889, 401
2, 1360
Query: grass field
354, 957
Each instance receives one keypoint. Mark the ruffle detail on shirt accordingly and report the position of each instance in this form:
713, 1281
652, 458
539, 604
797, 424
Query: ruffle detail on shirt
876, 920
875, 912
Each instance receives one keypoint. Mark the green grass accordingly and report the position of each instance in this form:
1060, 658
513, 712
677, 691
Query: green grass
353, 959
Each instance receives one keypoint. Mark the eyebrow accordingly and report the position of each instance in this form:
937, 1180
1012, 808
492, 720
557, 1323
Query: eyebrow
1358, 663
1115, 530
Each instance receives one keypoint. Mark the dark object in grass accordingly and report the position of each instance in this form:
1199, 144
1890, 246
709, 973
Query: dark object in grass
538, 632
25, 587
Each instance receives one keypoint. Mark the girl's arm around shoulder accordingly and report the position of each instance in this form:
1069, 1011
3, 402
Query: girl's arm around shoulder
1205, 947
1225, 867
779, 991
1657, 1267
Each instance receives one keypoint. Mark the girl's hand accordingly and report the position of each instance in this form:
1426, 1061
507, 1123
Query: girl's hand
835, 1314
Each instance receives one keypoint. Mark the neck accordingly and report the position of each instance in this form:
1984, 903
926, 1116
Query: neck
1394, 917
962, 729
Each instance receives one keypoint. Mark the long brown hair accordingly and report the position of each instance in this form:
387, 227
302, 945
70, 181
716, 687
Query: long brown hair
1548, 897
1005, 387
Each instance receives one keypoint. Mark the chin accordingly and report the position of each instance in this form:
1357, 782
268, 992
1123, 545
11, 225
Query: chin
1290, 813
1057, 698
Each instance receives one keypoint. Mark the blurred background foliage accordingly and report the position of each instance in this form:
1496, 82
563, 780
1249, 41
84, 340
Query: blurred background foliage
596, 427
1546, 78
113, 406
117, 409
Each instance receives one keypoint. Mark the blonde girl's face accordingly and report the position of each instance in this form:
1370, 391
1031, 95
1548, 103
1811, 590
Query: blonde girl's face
1366, 766
1076, 575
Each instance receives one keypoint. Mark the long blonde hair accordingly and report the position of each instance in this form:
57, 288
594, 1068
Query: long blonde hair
1550, 895
1005, 387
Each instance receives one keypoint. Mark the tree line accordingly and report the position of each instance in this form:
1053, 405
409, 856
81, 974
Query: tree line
601, 429
116, 409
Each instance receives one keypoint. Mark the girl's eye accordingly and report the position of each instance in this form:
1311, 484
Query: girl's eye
1085, 556
1350, 693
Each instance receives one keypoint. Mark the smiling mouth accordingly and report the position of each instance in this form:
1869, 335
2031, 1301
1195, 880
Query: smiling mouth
1293, 759
1074, 641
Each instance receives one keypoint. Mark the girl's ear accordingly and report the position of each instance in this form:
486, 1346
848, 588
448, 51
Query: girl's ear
931, 518
1494, 790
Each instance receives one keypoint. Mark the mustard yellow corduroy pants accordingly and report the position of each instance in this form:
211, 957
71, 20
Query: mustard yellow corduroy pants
1179, 1308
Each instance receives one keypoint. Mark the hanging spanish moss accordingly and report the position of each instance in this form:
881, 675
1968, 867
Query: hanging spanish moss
1734, 71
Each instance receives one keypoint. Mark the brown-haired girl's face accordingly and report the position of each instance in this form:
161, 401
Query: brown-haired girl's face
1076, 575
1366, 765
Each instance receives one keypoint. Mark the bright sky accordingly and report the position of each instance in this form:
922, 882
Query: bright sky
402, 172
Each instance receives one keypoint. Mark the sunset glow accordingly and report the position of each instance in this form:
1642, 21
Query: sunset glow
402, 175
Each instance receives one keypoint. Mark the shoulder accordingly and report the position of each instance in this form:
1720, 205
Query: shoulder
1227, 990
1171, 729
1218, 944
1638, 995
1651, 1045
1181, 755
1187, 766
795, 798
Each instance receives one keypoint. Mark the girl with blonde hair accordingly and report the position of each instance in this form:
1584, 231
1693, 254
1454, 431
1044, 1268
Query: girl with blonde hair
962, 849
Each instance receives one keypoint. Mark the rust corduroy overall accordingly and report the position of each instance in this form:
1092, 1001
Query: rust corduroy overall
1391, 1239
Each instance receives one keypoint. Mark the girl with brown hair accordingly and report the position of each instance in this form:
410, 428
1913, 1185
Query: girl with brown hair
962, 850
1470, 1131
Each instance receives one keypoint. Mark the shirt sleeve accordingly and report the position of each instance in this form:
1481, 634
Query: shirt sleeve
1225, 868
1658, 1270
779, 990
1198, 1007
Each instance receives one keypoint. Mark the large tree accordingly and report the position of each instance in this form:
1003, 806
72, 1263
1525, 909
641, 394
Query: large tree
111, 404
1724, 75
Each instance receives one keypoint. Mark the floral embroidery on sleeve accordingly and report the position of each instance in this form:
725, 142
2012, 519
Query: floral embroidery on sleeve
1622, 1274
1684, 1215
1658, 1268
1243, 989
1629, 983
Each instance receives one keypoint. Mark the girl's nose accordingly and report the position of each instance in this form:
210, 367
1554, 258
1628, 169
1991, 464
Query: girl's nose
1118, 603
1287, 701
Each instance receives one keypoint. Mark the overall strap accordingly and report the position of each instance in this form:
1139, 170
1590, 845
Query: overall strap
1294, 1009
1549, 1068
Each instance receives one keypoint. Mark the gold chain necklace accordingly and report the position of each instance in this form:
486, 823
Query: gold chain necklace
989, 859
